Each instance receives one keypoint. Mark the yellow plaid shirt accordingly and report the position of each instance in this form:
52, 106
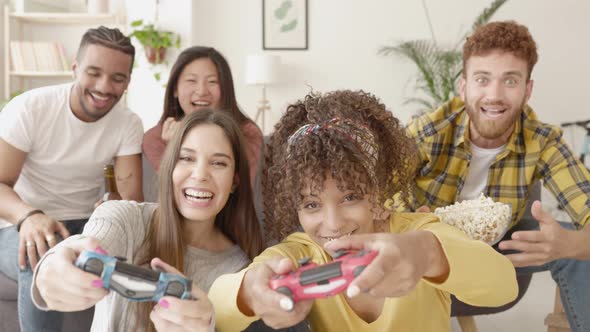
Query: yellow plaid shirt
535, 151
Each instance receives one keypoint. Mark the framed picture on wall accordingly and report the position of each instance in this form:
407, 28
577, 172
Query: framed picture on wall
284, 24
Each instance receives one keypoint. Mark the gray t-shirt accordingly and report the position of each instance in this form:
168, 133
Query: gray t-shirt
121, 226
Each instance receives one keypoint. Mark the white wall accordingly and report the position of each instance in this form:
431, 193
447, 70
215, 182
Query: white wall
146, 95
344, 36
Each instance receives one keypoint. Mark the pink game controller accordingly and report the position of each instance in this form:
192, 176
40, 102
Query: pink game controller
312, 281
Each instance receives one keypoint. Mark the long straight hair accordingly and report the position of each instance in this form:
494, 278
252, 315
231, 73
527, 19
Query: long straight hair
228, 102
236, 220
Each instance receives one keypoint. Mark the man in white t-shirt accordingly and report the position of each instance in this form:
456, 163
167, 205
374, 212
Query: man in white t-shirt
54, 143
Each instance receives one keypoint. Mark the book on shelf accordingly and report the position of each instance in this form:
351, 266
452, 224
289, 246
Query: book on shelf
38, 56
16, 56
61, 51
28, 51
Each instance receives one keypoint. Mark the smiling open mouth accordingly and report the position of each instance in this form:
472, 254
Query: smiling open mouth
493, 111
201, 103
332, 238
198, 196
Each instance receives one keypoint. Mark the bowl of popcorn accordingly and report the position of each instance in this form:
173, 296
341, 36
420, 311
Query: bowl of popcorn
481, 218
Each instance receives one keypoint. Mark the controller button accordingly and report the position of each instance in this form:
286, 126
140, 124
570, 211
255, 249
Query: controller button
304, 261
361, 253
130, 293
339, 253
94, 266
175, 288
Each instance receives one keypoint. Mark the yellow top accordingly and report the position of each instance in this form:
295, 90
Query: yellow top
478, 275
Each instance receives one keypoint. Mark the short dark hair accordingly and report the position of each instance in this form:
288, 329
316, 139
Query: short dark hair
505, 36
107, 37
228, 100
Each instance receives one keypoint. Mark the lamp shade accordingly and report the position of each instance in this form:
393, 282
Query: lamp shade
262, 69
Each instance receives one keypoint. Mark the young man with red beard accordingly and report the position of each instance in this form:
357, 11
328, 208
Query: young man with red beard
54, 143
490, 141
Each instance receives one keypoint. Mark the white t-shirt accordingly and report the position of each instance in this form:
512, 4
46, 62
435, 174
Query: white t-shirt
63, 172
477, 176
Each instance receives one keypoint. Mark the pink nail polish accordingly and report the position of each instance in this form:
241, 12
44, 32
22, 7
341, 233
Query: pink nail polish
100, 251
97, 283
164, 304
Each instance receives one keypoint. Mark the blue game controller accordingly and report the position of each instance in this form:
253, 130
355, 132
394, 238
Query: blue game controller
133, 282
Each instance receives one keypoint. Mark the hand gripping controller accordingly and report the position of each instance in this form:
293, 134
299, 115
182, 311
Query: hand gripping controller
312, 281
133, 282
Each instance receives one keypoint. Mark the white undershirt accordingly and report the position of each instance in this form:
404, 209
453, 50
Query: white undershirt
477, 176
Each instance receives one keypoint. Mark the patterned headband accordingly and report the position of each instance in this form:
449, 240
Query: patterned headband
357, 133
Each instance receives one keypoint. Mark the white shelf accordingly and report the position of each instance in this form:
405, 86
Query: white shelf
41, 73
64, 18
23, 80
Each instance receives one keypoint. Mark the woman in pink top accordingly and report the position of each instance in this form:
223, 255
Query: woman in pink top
200, 79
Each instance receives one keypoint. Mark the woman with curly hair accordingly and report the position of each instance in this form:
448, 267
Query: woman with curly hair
331, 164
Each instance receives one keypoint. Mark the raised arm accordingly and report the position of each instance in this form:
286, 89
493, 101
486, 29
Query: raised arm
128, 173
566, 177
437, 254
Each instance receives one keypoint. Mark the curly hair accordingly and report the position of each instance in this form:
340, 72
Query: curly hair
506, 36
289, 169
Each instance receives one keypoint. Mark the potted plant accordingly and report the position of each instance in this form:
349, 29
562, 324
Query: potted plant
438, 67
154, 41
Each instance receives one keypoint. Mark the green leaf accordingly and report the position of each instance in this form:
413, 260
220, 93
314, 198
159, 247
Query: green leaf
438, 68
487, 14
148, 36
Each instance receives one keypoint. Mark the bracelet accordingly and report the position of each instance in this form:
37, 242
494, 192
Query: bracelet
21, 220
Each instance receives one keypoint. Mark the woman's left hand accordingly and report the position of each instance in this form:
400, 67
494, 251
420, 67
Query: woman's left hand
174, 314
402, 261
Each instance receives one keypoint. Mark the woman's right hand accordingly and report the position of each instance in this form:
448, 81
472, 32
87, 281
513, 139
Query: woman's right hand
275, 309
63, 286
169, 127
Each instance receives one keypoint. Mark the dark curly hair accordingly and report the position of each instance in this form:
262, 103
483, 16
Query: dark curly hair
313, 156
506, 36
